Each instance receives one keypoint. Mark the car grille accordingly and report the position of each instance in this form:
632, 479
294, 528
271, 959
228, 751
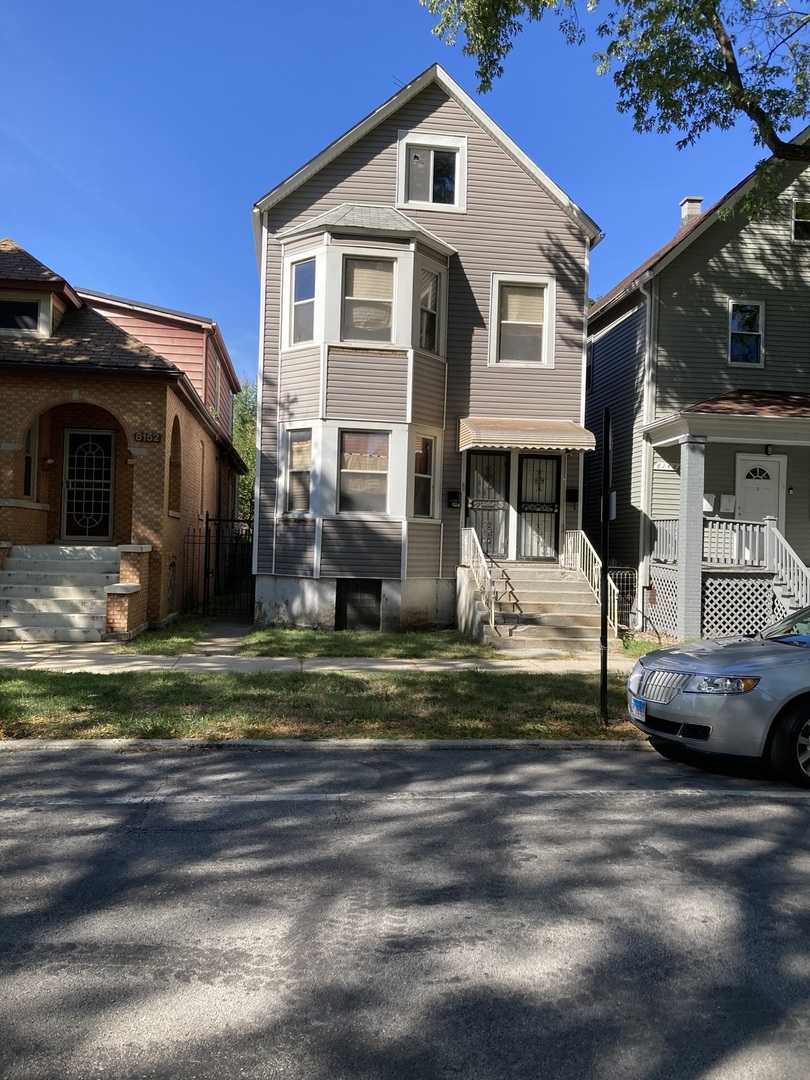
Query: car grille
662, 686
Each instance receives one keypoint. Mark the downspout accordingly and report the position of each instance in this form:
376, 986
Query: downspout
647, 414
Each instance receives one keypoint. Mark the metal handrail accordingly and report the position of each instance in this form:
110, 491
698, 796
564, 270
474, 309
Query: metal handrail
579, 554
472, 555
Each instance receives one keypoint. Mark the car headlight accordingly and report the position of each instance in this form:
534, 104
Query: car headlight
720, 684
634, 682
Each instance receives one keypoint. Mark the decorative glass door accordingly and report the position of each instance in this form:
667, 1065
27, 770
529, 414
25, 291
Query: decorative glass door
538, 507
488, 500
88, 485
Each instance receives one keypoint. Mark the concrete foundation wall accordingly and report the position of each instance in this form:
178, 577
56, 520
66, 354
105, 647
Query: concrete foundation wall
414, 604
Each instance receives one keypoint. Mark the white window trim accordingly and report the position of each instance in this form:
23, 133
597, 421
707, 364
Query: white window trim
748, 303
402, 324
549, 319
793, 236
284, 480
435, 486
44, 320
290, 260
423, 263
434, 141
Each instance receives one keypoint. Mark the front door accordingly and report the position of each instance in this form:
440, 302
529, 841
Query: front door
538, 507
488, 500
88, 485
760, 487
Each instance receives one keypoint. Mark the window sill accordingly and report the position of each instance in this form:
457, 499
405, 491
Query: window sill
446, 208
25, 504
521, 364
174, 513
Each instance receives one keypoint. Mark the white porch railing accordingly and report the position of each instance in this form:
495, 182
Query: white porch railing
725, 542
788, 569
579, 554
472, 555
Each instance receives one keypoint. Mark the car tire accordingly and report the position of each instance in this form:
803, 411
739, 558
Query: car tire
790, 749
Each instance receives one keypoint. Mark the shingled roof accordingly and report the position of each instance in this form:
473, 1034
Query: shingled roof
17, 265
84, 339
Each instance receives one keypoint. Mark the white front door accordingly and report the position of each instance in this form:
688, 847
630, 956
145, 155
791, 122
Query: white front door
761, 487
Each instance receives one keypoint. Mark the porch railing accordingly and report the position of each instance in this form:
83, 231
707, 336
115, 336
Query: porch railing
579, 554
725, 542
788, 569
472, 555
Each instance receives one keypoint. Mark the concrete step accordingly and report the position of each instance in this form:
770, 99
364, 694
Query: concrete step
57, 577
50, 633
67, 606
527, 637
588, 620
68, 567
546, 596
54, 592
67, 620
65, 551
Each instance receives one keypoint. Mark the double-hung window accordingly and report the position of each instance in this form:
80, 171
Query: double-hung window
432, 171
368, 299
303, 301
745, 333
429, 311
363, 463
423, 466
522, 321
299, 470
801, 221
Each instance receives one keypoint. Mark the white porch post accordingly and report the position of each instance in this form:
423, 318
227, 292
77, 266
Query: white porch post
690, 537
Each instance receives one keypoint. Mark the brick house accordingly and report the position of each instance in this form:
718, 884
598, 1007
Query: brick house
115, 422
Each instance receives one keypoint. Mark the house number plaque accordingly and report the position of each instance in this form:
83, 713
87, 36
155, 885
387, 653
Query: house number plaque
147, 436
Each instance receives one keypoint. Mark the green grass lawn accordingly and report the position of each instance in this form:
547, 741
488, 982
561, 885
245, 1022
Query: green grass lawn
177, 638
436, 644
215, 706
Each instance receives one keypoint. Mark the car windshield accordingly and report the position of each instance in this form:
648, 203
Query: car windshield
794, 629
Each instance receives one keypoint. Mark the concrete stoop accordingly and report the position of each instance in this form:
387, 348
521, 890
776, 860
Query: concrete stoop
541, 606
56, 592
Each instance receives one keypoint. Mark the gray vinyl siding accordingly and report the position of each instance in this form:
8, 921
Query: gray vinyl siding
295, 548
666, 484
367, 386
300, 385
754, 261
424, 546
362, 549
617, 366
429, 375
511, 226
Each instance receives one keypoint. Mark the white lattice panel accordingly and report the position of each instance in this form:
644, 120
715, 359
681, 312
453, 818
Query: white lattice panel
736, 603
662, 608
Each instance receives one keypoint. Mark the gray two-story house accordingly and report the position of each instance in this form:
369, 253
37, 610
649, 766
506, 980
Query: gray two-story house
423, 290
702, 355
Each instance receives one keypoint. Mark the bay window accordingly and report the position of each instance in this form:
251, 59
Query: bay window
303, 301
363, 469
299, 470
423, 466
368, 299
429, 311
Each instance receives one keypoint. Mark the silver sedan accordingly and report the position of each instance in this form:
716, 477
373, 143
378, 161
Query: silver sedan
743, 696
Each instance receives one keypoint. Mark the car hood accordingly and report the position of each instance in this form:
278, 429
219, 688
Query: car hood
737, 655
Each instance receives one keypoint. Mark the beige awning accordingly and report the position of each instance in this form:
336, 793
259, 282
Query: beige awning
506, 433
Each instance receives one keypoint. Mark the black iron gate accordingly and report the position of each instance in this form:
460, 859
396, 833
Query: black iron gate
219, 568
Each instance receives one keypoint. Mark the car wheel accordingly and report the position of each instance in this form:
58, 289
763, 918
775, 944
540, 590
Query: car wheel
790, 749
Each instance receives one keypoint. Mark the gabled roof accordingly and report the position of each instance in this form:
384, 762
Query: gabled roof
433, 75
99, 299
771, 403
686, 234
19, 269
364, 217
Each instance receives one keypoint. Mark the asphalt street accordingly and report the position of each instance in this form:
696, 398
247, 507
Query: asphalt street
381, 914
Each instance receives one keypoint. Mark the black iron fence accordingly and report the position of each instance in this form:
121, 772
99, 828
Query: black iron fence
218, 576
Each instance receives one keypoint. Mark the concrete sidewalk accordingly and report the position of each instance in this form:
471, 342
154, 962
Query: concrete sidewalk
217, 648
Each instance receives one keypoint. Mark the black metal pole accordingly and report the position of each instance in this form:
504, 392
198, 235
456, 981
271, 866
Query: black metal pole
603, 583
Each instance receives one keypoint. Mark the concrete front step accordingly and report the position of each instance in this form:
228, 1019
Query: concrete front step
55, 577
46, 605
65, 551
70, 620
67, 567
54, 592
538, 607
560, 642
50, 633
586, 620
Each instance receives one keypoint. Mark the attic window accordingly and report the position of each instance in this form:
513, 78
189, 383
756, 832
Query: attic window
19, 316
432, 171
801, 222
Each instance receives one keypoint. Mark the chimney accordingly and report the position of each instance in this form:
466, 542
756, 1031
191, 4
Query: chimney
691, 208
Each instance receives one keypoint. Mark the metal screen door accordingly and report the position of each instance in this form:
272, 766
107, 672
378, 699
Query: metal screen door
538, 507
488, 501
88, 485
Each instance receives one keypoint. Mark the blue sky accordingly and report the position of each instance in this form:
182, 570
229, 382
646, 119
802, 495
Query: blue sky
136, 138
